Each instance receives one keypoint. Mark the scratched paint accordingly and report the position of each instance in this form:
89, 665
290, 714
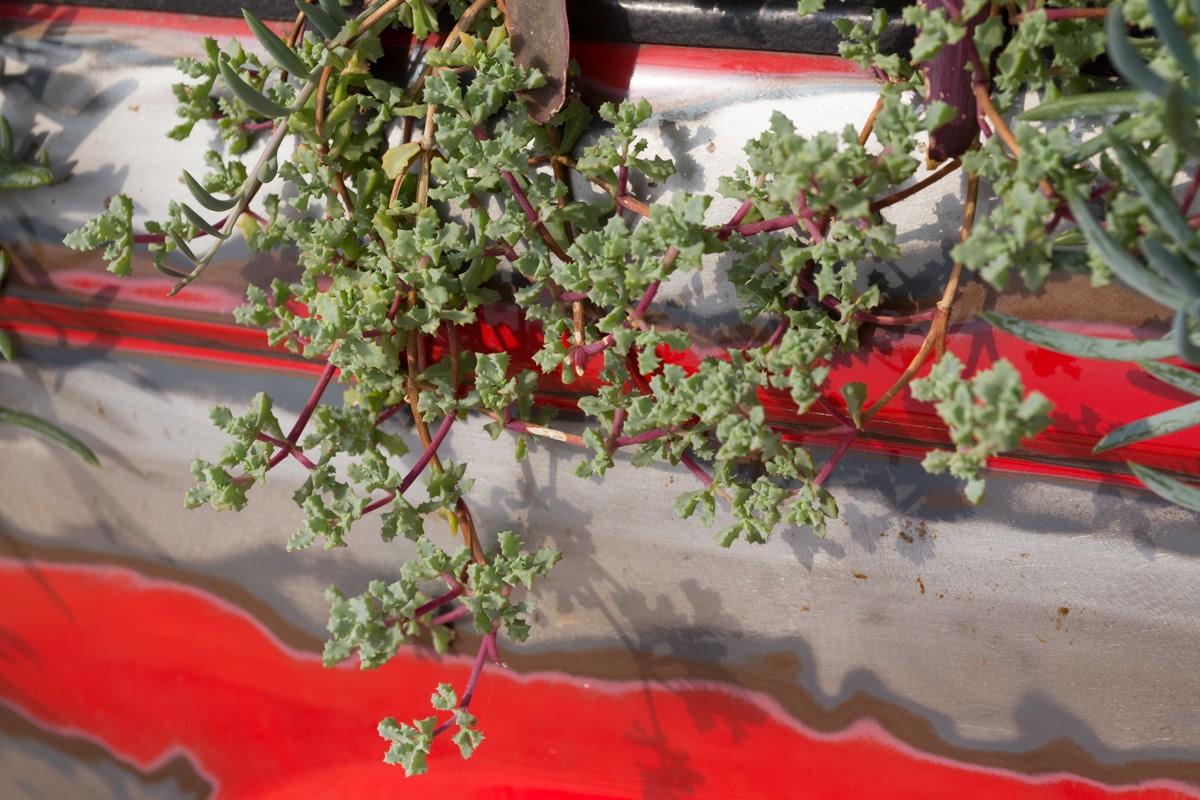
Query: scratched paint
153, 670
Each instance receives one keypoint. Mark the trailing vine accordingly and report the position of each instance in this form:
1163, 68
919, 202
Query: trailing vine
412, 204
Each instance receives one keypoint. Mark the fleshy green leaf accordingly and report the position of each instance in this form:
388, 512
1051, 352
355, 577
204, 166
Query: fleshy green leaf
1166, 487
49, 432
284, 56
1074, 344
1151, 427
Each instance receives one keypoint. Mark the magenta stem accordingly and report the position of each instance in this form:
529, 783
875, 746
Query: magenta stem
842, 447
423, 461
1191, 193
736, 219
767, 225
450, 616
313, 400
438, 602
834, 411
697, 470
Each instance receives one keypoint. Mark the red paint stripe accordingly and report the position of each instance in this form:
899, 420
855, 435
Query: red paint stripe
54, 13
150, 347
709, 59
148, 668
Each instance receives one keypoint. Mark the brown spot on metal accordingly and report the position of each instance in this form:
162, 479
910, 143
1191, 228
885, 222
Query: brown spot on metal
860, 576
1062, 614
921, 584
905, 537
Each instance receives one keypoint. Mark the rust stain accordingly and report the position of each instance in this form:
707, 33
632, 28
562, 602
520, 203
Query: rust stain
1062, 614
921, 584
905, 537
860, 576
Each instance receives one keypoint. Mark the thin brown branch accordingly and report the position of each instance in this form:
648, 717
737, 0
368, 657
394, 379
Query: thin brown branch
903, 194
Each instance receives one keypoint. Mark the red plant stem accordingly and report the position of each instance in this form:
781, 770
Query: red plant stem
618, 424
291, 449
834, 411
313, 400
571, 297
493, 652
430, 452
778, 333
842, 447
697, 470
622, 180
736, 219
646, 436
767, 225
440, 601
814, 229
417, 468
450, 616
1191, 193
390, 412
583, 353
487, 645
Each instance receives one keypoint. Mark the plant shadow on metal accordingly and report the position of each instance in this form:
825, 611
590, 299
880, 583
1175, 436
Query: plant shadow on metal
414, 203
16, 174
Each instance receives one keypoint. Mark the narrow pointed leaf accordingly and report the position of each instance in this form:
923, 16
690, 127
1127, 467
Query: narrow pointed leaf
1126, 267
204, 198
1183, 379
24, 176
1131, 65
201, 223
1174, 268
1126, 59
1085, 105
49, 432
6, 137
325, 24
334, 10
1180, 119
1177, 419
1171, 35
1166, 487
254, 99
182, 246
284, 56
1158, 197
6, 347
1181, 330
1074, 344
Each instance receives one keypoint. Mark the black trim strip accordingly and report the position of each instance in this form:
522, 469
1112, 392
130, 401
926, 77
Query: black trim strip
735, 24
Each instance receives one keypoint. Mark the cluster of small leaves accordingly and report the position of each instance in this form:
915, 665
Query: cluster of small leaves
988, 414
411, 743
387, 615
